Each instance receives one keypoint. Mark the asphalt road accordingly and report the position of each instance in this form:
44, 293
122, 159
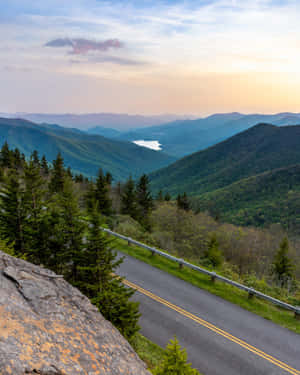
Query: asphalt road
220, 338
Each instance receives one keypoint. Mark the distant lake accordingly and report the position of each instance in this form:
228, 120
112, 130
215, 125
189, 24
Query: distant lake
154, 145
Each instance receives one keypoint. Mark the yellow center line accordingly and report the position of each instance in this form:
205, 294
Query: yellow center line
215, 329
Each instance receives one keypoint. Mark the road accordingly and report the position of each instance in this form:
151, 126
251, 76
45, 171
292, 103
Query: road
221, 338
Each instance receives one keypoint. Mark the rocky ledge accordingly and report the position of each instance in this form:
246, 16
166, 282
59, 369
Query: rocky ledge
48, 327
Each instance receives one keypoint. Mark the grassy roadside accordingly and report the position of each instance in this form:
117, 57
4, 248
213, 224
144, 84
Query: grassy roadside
260, 307
149, 352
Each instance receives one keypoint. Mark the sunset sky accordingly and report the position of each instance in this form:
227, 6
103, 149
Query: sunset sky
150, 57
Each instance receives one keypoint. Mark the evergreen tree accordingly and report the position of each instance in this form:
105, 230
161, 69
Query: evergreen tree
183, 202
66, 240
69, 172
13, 213
213, 254
36, 229
79, 178
128, 199
167, 197
99, 282
5, 156
144, 200
17, 161
175, 361
35, 158
160, 196
108, 178
44, 166
58, 175
283, 269
102, 194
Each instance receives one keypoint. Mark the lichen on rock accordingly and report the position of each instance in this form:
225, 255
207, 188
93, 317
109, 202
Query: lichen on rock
48, 327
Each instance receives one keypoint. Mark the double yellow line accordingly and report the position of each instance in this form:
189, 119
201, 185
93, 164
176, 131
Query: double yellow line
213, 328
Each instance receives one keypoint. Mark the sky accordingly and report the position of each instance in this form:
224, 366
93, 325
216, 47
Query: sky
150, 57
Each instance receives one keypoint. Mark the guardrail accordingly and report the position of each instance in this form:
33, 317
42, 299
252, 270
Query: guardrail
214, 276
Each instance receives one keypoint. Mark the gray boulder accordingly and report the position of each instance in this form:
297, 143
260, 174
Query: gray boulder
48, 327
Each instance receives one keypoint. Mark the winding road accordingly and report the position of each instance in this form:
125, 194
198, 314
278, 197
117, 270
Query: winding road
221, 338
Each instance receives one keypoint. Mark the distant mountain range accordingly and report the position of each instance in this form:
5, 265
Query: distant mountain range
181, 138
117, 121
83, 152
252, 177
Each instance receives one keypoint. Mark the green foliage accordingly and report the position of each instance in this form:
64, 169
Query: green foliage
149, 352
213, 254
101, 193
175, 361
183, 202
58, 175
144, 201
128, 199
6, 248
283, 269
98, 282
13, 213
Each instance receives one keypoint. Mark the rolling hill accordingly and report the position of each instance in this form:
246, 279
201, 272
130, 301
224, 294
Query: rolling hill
84, 153
261, 148
270, 197
252, 178
182, 138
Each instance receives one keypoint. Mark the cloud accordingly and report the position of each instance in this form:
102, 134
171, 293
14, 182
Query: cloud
82, 46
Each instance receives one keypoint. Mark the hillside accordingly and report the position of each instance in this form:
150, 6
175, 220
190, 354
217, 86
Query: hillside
261, 148
270, 197
182, 138
84, 153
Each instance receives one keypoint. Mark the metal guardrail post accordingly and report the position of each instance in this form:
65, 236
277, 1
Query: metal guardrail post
213, 277
251, 293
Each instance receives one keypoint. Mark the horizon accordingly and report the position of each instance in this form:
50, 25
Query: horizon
149, 58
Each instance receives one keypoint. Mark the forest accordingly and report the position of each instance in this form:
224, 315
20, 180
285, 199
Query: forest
52, 218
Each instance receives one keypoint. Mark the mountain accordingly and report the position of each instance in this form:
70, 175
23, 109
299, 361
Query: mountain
269, 197
182, 138
105, 132
261, 148
49, 328
83, 152
89, 120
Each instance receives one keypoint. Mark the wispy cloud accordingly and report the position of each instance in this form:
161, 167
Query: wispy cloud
80, 46
110, 59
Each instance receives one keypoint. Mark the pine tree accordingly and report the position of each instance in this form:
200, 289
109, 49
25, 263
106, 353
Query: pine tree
183, 202
44, 166
13, 213
167, 197
5, 156
98, 281
17, 161
128, 199
36, 229
102, 194
58, 175
35, 158
160, 196
67, 231
283, 269
175, 361
144, 200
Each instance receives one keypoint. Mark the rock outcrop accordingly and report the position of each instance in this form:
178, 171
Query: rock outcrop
48, 327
